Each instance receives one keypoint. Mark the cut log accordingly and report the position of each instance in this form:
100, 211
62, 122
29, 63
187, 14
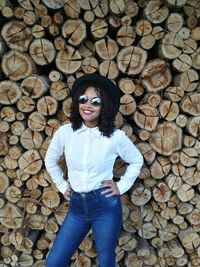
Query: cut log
156, 75
146, 117
181, 120
4, 146
72, 9
30, 162
11, 216
166, 139
107, 49
51, 127
175, 22
108, 68
125, 36
156, 12
147, 231
8, 114
176, 3
127, 86
171, 46
69, 60
147, 152
174, 93
16, 65
185, 192
183, 63
42, 51
173, 181
59, 90
140, 196
127, 105
189, 238
193, 126
188, 156
4, 182
50, 199
9, 92
117, 7
17, 35
131, 8
143, 27
89, 65
46, 21
161, 192
31, 139
36, 122
195, 59
187, 80
41, 10
99, 28
59, 43
147, 42
169, 110
54, 5
131, 60
160, 167
25, 104
190, 104
157, 32
74, 31
47, 105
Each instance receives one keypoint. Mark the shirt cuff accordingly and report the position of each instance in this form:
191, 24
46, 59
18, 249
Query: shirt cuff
63, 187
122, 186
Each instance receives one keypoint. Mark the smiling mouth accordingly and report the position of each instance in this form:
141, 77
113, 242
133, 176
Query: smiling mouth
87, 112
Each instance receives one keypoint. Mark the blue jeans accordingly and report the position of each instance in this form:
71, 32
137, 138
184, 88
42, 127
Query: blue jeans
88, 210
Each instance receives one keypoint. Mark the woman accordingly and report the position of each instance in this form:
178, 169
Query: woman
91, 145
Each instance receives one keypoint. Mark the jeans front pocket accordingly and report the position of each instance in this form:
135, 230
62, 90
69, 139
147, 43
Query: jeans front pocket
103, 201
75, 204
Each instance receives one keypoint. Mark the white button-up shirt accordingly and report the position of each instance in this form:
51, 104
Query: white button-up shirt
90, 158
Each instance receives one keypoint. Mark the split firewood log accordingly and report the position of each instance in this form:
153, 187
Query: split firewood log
166, 139
42, 51
17, 65
131, 60
156, 75
74, 31
17, 35
68, 60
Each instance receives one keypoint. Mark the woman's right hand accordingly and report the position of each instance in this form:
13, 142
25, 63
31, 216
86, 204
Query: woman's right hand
68, 193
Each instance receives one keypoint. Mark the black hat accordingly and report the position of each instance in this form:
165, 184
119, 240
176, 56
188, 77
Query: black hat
104, 83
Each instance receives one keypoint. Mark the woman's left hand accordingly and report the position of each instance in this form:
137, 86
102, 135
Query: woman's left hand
112, 188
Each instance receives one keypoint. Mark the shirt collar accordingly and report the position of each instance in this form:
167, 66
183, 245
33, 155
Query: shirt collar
95, 131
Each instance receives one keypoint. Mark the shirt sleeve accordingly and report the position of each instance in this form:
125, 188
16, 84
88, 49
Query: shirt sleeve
54, 152
131, 155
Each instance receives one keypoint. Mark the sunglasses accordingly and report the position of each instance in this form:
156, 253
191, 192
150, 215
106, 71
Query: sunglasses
96, 101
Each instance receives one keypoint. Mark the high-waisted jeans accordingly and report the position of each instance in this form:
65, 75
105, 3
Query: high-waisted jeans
88, 210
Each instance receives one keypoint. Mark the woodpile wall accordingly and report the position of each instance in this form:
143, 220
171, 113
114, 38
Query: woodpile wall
151, 50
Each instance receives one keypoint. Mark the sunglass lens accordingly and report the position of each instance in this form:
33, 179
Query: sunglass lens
96, 101
82, 99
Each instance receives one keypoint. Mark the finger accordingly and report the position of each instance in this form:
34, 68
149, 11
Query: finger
111, 194
106, 191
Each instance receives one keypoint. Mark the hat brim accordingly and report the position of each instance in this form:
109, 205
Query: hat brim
104, 83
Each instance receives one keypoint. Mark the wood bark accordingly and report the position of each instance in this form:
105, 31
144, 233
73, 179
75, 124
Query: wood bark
150, 49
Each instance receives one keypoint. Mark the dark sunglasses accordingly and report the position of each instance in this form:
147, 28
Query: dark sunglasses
83, 99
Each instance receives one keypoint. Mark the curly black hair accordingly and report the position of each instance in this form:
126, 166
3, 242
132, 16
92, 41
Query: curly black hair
107, 113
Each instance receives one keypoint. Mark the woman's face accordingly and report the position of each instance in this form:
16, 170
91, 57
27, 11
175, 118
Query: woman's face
89, 112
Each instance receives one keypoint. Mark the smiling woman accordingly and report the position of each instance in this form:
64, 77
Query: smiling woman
90, 107
91, 145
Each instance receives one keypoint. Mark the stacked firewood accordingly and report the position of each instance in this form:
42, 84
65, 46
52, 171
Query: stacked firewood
150, 49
